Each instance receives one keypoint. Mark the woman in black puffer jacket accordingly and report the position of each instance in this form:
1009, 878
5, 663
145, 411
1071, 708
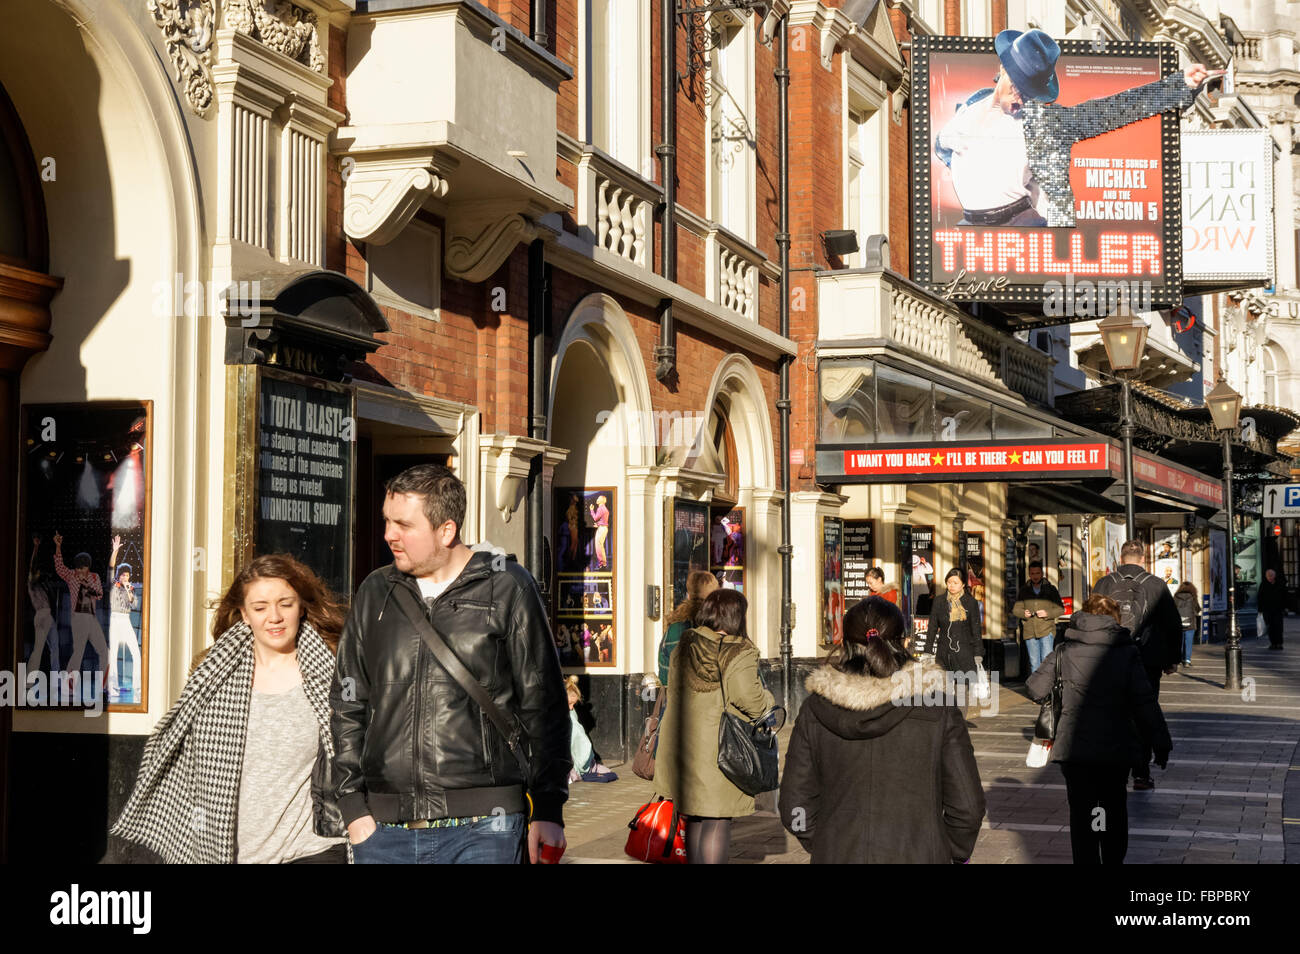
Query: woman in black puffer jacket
1105, 695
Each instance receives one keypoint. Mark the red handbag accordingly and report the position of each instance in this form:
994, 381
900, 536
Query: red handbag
658, 834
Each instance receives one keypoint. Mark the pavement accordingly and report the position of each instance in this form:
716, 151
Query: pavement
1233, 771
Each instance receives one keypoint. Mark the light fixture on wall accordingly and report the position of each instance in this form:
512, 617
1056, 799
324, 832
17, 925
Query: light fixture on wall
840, 242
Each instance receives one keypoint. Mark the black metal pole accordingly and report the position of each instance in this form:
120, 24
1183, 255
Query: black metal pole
1232, 654
1126, 434
665, 352
538, 387
783, 404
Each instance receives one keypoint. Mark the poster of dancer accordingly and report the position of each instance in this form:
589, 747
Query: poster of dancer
83, 603
1065, 565
975, 571
585, 578
923, 577
727, 548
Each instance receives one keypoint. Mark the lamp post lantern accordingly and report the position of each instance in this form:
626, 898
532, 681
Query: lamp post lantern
1124, 335
1225, 410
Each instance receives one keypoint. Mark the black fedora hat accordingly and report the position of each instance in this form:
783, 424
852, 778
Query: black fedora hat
1030, 62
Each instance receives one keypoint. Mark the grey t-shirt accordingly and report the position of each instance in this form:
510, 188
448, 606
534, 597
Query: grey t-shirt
275, 807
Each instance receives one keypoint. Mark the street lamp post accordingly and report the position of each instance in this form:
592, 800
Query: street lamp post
1124, 335
1225, 410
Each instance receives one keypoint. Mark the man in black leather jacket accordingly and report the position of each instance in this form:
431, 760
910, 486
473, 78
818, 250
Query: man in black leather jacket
422, 774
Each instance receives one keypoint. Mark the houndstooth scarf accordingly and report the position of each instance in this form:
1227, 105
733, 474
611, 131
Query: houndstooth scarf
186, 795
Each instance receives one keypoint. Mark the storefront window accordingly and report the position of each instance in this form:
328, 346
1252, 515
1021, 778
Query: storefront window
1008, 426
848, 402
904, 405
960, 418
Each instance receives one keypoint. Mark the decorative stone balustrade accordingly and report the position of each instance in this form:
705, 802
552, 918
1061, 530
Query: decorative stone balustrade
870, 309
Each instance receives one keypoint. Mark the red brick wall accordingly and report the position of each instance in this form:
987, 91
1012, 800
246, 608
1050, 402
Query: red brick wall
335, 245
999, 16
952, 17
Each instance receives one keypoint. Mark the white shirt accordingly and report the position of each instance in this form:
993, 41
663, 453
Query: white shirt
989, 166
431, 590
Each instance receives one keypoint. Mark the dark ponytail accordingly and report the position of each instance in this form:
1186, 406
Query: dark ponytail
873, 640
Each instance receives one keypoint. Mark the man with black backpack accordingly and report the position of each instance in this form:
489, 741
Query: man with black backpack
1149, 613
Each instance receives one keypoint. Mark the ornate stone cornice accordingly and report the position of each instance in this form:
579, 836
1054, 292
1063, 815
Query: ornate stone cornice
186, 27
278, 25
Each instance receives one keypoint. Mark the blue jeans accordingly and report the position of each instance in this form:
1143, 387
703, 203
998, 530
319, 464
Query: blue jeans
1039, 649
492, 841
1188, 635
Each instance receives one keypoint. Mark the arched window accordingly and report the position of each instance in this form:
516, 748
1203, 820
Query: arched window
23, 240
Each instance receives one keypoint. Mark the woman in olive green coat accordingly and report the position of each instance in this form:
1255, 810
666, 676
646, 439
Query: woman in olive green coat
714, 656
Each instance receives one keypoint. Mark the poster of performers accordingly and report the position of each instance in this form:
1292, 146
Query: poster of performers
975, 570
1166, 558
688, 543
1040, 159
727, 548
832, 581
84, 569
924, 582
1065, 564
585, 580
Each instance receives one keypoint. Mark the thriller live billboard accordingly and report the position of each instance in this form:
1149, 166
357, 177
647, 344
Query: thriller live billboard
1011, 201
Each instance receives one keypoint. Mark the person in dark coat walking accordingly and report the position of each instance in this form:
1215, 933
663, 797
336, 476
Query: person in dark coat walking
1189, 613
880, 768
1271, 601
956, 634
1105, 696
1158, 630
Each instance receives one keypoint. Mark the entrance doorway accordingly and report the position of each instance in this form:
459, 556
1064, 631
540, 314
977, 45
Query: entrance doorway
376, 465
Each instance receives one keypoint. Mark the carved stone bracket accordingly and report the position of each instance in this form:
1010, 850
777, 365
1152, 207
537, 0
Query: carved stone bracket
481, 237
381, 196
506, 460
186, 27
280, 26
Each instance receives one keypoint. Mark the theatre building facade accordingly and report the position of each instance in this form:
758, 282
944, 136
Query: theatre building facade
255, 267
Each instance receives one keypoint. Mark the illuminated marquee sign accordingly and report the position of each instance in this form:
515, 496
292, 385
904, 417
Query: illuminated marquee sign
1082, 191
1054, 459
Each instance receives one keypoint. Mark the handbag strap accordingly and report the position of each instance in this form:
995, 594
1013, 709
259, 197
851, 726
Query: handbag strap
456, 669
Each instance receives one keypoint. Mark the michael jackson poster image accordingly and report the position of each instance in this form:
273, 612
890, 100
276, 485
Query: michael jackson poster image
1044, 160
585, 581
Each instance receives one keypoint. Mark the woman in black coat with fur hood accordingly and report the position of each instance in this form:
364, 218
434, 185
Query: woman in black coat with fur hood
1107, 704
880, 768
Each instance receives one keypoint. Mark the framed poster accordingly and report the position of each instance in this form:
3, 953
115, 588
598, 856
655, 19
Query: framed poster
585, 578
1012, 200
1218, 571
1010, 585
727, 547
304, 465
923, 576
859, 557
83, 585
1114, 542
1036, 544
903, 554
1166, 557
1065, 564
688, 545
975, 571
832, 581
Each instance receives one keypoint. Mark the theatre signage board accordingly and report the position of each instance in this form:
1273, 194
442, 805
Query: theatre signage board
1047, 459
1228, 205
1173, 480
1082, 182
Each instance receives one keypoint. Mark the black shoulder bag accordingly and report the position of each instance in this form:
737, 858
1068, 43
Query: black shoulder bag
510, 729
748, 754
1049, 716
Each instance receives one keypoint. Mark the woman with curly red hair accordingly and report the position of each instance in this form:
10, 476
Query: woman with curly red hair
238, 770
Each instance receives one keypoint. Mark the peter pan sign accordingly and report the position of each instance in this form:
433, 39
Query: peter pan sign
985, 460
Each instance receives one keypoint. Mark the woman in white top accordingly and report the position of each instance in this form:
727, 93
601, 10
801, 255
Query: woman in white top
239, 769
